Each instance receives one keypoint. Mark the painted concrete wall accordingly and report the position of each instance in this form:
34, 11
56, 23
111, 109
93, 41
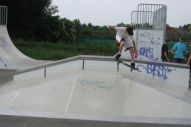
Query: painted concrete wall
149, 44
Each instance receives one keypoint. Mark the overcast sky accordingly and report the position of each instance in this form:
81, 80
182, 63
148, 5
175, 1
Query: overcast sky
112, 12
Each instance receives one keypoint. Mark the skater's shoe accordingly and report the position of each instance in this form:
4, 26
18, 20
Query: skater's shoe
118, 56
133, 64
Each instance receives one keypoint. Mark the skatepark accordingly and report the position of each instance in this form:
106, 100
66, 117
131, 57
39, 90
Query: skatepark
94, 91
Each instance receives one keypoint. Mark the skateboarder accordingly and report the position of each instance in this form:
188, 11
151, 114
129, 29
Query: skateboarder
125, 41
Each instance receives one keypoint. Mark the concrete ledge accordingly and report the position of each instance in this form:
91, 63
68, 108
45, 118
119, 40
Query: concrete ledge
21, 121
6, 75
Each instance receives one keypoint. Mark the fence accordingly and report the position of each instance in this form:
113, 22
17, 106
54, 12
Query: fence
3, 15
149, 16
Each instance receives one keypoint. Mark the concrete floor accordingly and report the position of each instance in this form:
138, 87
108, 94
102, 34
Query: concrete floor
97, 93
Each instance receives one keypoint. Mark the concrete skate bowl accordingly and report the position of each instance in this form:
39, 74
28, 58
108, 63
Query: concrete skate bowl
92, 91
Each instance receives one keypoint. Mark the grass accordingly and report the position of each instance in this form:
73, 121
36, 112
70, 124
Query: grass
55, 51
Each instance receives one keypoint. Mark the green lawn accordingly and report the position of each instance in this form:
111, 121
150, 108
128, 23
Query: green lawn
61, 50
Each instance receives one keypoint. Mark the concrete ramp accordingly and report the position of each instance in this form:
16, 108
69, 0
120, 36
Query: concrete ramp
95, 96
10, 56
11, 59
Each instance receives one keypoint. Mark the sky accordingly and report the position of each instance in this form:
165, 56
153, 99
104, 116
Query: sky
112, 12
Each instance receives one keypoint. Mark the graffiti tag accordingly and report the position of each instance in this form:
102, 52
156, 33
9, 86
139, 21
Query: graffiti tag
158, 70
146, 52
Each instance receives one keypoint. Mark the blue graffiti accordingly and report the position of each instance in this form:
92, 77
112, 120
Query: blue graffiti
146, 52
156, 69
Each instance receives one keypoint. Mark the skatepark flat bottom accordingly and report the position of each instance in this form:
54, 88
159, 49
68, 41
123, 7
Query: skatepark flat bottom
98, 93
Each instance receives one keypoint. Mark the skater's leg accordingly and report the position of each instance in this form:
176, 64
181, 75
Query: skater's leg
132, 52
120, 50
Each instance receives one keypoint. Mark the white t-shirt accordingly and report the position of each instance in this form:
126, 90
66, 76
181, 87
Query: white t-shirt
128, 42
122, 34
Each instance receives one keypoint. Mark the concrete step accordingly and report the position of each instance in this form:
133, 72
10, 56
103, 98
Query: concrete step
6, 75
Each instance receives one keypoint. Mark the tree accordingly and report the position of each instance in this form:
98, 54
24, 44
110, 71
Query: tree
189, 27
77, 28
69, 31
25, 16
3, 2
33, 19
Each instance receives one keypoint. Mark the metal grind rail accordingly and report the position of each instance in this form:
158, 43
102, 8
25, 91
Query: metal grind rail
91, 58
